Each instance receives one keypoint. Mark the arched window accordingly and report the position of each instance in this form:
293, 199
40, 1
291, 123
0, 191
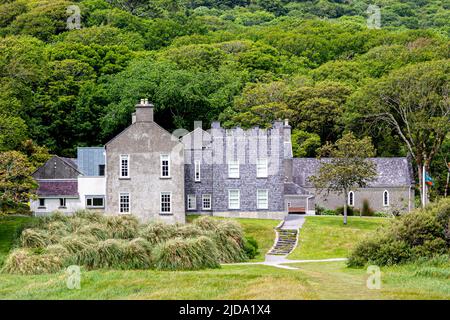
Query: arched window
351, 198
386, 198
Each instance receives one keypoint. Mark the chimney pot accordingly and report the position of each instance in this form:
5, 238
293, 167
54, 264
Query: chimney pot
144, 111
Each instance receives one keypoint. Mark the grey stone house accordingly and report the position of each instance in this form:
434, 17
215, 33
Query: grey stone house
145, 171
252, 173
148, 172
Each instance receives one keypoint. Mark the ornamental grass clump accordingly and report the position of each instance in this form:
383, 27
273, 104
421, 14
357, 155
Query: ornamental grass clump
158, 232
423, 233
95, 229
187, 254
123, 227
189, 231
119, 242
35, 238
229, 237
25, 262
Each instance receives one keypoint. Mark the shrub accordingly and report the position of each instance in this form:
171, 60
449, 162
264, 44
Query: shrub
422, 233
187, 254
319, 210
366, 210
351, 211
329, 212
250, 247
24, 261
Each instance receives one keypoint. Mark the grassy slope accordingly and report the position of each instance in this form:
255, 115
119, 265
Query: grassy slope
310, 281
260, 229
8, 229
327, 237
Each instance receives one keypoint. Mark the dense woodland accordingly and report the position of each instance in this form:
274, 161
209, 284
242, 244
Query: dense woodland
243, 62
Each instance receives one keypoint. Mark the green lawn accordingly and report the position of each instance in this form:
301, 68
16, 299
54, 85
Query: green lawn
8, 229
327, 237
330, 280
311, 281
260, 229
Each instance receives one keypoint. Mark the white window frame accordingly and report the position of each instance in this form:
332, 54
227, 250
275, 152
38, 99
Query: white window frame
192, 205
197, 171
165, 193
124, 157
92, 206
206, 196
387, 196
120, 202
162, 158
233, 169
351, 200
262, 168
238, 200
258, 205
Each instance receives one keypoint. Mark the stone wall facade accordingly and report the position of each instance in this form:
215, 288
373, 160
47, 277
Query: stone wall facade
144, 142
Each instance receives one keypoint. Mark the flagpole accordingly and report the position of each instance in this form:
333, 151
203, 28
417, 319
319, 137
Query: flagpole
423, 187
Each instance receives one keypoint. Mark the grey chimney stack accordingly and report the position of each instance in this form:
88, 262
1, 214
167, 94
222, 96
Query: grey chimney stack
144, 111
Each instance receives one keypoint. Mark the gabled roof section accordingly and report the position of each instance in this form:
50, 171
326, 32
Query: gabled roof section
197, 139
146, 123
58, 168
291, 188
391, 172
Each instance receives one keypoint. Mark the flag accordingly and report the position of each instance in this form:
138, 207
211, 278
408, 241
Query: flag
428, 180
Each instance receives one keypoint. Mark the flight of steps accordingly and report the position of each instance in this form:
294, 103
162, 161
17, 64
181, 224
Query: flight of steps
287, 239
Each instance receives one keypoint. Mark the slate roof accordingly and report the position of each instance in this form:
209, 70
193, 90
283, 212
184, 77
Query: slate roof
52, 188
391, 172
71, 161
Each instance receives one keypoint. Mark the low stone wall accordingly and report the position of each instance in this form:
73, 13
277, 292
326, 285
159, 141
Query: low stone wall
277, 215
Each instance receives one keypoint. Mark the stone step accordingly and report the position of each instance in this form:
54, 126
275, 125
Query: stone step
285, 242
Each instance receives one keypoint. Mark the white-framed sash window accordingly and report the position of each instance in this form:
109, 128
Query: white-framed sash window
165, 165
206, 202
166, 203
124, 202
262, 199
233, 169
234, 199
261, 168
124, 170
191, 202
